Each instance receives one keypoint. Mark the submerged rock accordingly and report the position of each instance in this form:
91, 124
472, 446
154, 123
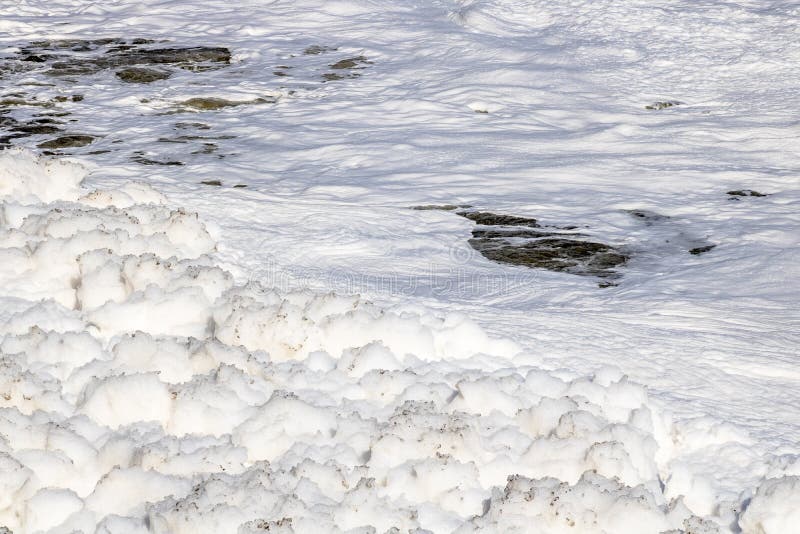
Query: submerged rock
73, 98
523, 241
20, 102
585, 258
36, 129
139, 157
663, 105
746, 193
192, 125
315, 50
649, 217
160, 56
68, 141
346, 68
441, 207
487, 219
701, 250
207, 148
350, 63
211, 103
141, 75
73, 57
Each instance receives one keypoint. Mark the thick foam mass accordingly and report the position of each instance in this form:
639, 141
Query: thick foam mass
144, 391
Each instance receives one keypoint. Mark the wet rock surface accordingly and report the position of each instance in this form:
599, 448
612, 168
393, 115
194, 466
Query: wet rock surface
214, 103
585, 258
315, 50
72, 57
36, 129
525, 241
701, 250
141, 75
440, 207
745, 193
512, 240
663, 104
134, 61
68, 141
145, 159
48, 81
493, 219
346, 68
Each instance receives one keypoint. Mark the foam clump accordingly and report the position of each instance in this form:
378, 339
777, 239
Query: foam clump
143, 390
774, 508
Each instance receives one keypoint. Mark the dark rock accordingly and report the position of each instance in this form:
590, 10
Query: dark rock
19, 102
700, 250
5, 140
443, 207
648, 217
194, 125
663, 105
585, 258
141, 75
210, 103
350, 63
139, 157
507, 233
123, 54
184, 138
36, 129
492, 219
314, 50
512, 240
746, 193
160, 56
68, 141
208, 148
